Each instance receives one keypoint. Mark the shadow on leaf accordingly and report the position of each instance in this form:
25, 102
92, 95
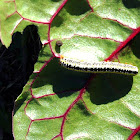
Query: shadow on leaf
77, 7
57, 21
107, 88
131, 4
135, 46
60, 78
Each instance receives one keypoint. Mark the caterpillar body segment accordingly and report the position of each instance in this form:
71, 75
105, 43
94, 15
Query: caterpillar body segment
98, 67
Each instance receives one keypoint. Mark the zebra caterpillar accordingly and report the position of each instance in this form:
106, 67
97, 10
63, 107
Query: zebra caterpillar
98, 67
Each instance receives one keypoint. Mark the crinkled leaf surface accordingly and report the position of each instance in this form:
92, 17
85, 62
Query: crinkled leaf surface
60, 104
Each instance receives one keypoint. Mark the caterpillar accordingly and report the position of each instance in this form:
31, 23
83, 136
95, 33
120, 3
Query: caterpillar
98, 67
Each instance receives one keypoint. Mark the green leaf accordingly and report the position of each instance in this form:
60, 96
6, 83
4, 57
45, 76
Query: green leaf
57, 103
